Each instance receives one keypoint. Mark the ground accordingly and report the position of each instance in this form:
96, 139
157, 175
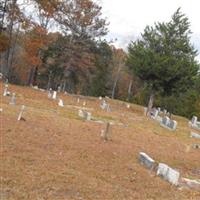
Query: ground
55, 155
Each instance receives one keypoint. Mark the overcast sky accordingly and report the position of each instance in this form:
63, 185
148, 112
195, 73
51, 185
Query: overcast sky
128, 18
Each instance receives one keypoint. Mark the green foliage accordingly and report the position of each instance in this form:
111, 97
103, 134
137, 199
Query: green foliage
100, 85
164, 57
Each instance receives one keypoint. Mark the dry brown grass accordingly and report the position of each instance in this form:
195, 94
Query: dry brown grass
55, 155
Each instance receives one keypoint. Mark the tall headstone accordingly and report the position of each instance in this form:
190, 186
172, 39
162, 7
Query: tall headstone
54, 95
50, 93
5, 92
13, 99
106, 134
21, 112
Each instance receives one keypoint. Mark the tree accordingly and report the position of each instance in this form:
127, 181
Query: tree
101, 84
164, 57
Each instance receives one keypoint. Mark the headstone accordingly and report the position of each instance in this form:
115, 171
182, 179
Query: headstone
165, 120
85, 115
195, 135
50, 93
59, 88
146, 160
21, 112
128, 106
60, 103
13, 99
165, 111
194, 120
1, 109
5, 92
168, 173
100, 98
54, 95
106, 134
154, 113
78, 100
84, 103
172, 124
159, 109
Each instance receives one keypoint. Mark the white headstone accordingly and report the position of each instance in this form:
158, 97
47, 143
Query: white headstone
168, 173
5, 92
146, 160
195, 135
60, 103
13, 99
84, 103
78, 100
194, 120
21, 112
54, 95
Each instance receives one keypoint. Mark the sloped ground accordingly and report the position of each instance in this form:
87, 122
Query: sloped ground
55, 155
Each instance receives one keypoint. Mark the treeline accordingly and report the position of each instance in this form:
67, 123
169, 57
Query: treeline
52, 43
58, 43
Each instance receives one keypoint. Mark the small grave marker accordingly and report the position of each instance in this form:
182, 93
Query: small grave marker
21, 112
13, 99
60, 103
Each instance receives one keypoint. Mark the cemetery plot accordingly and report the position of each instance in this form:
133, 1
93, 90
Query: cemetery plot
55, 155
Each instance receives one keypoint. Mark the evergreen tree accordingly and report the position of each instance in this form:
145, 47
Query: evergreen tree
164, 57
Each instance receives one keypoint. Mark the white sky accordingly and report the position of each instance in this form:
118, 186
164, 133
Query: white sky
128, 18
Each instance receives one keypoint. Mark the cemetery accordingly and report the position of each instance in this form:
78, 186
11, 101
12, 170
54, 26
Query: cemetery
53, 147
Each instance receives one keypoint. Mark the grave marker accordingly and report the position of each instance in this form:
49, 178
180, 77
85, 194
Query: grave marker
21, 112
13, 99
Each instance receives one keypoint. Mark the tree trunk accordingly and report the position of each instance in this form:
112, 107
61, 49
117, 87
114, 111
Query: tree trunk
115, 82
150, 104
129, 89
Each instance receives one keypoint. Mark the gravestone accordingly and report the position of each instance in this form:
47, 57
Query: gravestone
165, 120
54, 95
128, 106
172, 124
146, 160
194, 120
106, 134
154, 113
21, 112
78, 100
85, 115
168, 174
59, 88
195, 135
13, 99
50, 93
84, 103
6, 92
60, 103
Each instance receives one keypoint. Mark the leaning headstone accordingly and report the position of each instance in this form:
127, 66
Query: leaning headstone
106, 134
54, 95
168, 174
195, 135
60, 103
146, 160
21, 112
13, 99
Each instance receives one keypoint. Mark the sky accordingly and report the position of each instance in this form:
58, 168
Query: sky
128, 18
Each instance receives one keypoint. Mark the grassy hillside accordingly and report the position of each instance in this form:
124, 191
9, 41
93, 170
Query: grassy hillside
56, 155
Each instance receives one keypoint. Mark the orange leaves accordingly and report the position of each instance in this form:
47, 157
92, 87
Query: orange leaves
34, 41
